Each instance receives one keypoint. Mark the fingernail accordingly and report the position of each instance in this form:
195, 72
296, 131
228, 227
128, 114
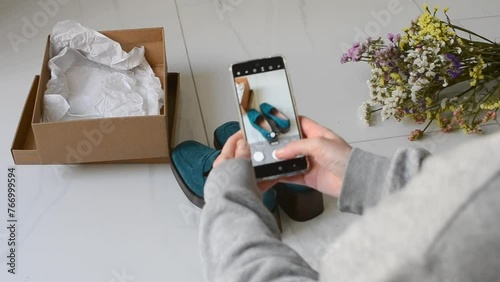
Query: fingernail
280, 151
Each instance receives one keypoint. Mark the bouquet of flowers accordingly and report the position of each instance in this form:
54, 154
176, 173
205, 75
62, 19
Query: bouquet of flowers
410, 72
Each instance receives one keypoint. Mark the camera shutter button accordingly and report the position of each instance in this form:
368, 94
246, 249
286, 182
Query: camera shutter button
258, 156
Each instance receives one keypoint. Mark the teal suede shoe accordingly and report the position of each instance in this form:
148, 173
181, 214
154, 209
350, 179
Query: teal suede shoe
191, 164
300, 202
277, 119
262, 125
223, 132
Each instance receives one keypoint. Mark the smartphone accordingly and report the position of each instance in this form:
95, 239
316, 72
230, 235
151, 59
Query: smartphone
268, 115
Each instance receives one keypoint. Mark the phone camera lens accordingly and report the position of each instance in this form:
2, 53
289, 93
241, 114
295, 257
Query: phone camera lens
270, 67
257, 64
254, 70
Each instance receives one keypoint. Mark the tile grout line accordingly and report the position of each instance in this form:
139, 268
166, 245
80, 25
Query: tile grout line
418, 6
476, 18
192, 73
400, 136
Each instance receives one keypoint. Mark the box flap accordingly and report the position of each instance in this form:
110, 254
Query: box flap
23, 146
172, 105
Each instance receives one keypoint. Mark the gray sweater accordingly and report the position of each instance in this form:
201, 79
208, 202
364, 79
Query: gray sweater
425, 218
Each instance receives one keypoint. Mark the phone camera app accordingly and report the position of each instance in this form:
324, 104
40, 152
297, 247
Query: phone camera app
268, 114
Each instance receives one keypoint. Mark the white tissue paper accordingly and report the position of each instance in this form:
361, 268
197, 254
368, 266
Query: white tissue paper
240, 89
92, 77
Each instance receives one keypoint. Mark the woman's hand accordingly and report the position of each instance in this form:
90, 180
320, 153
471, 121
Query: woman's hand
328, 155
237, 148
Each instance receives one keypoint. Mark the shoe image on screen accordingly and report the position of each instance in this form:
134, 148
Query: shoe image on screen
267, 109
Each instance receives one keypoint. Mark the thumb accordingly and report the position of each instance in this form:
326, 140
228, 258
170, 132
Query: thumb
303, 147
242, 150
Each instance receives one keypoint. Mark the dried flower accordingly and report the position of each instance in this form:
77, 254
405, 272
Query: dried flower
409, 72
415, 135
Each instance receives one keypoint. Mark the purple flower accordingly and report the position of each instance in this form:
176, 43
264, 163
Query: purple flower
454, 71
387, 57
353, 54
394, 38
344, 59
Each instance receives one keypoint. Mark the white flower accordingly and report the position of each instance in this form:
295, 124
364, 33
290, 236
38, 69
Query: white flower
414, 96
385, 113
416, 88
365, 112
430, 74
398, 94
423, 81
418, 62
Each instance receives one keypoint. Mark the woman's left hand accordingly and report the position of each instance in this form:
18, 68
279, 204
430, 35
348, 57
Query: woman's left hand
237, 147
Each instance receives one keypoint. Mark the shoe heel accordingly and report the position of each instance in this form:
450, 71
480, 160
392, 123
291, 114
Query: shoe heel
300, 205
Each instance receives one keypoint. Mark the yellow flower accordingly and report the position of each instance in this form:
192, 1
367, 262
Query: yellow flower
445, 10
428, 101
490, 105
396, 77
381, 82
438, 119
476, 74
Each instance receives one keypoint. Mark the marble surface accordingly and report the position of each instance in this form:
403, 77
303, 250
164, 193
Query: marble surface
132, 222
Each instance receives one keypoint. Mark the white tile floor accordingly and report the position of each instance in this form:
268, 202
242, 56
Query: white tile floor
132, 223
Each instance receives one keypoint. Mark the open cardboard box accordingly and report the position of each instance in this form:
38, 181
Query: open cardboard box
144, 139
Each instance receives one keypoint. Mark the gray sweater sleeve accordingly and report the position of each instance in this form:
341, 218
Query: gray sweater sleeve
240, 240
369, 177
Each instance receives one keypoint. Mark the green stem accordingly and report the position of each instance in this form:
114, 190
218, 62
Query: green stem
428, 124
470, 32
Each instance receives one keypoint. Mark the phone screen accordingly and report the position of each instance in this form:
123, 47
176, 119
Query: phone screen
268, 114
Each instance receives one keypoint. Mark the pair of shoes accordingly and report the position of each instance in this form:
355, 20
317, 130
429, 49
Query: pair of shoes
191, 162
300, 203
269, 122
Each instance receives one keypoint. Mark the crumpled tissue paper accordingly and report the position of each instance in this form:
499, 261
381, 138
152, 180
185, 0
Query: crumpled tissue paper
92, 77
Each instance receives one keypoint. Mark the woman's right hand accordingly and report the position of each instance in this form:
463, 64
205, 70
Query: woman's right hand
328, 154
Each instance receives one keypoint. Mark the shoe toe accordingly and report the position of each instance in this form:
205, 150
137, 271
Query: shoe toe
188, 159
223, 132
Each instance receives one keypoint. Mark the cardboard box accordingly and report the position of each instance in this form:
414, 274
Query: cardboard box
247, 97
144, 139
